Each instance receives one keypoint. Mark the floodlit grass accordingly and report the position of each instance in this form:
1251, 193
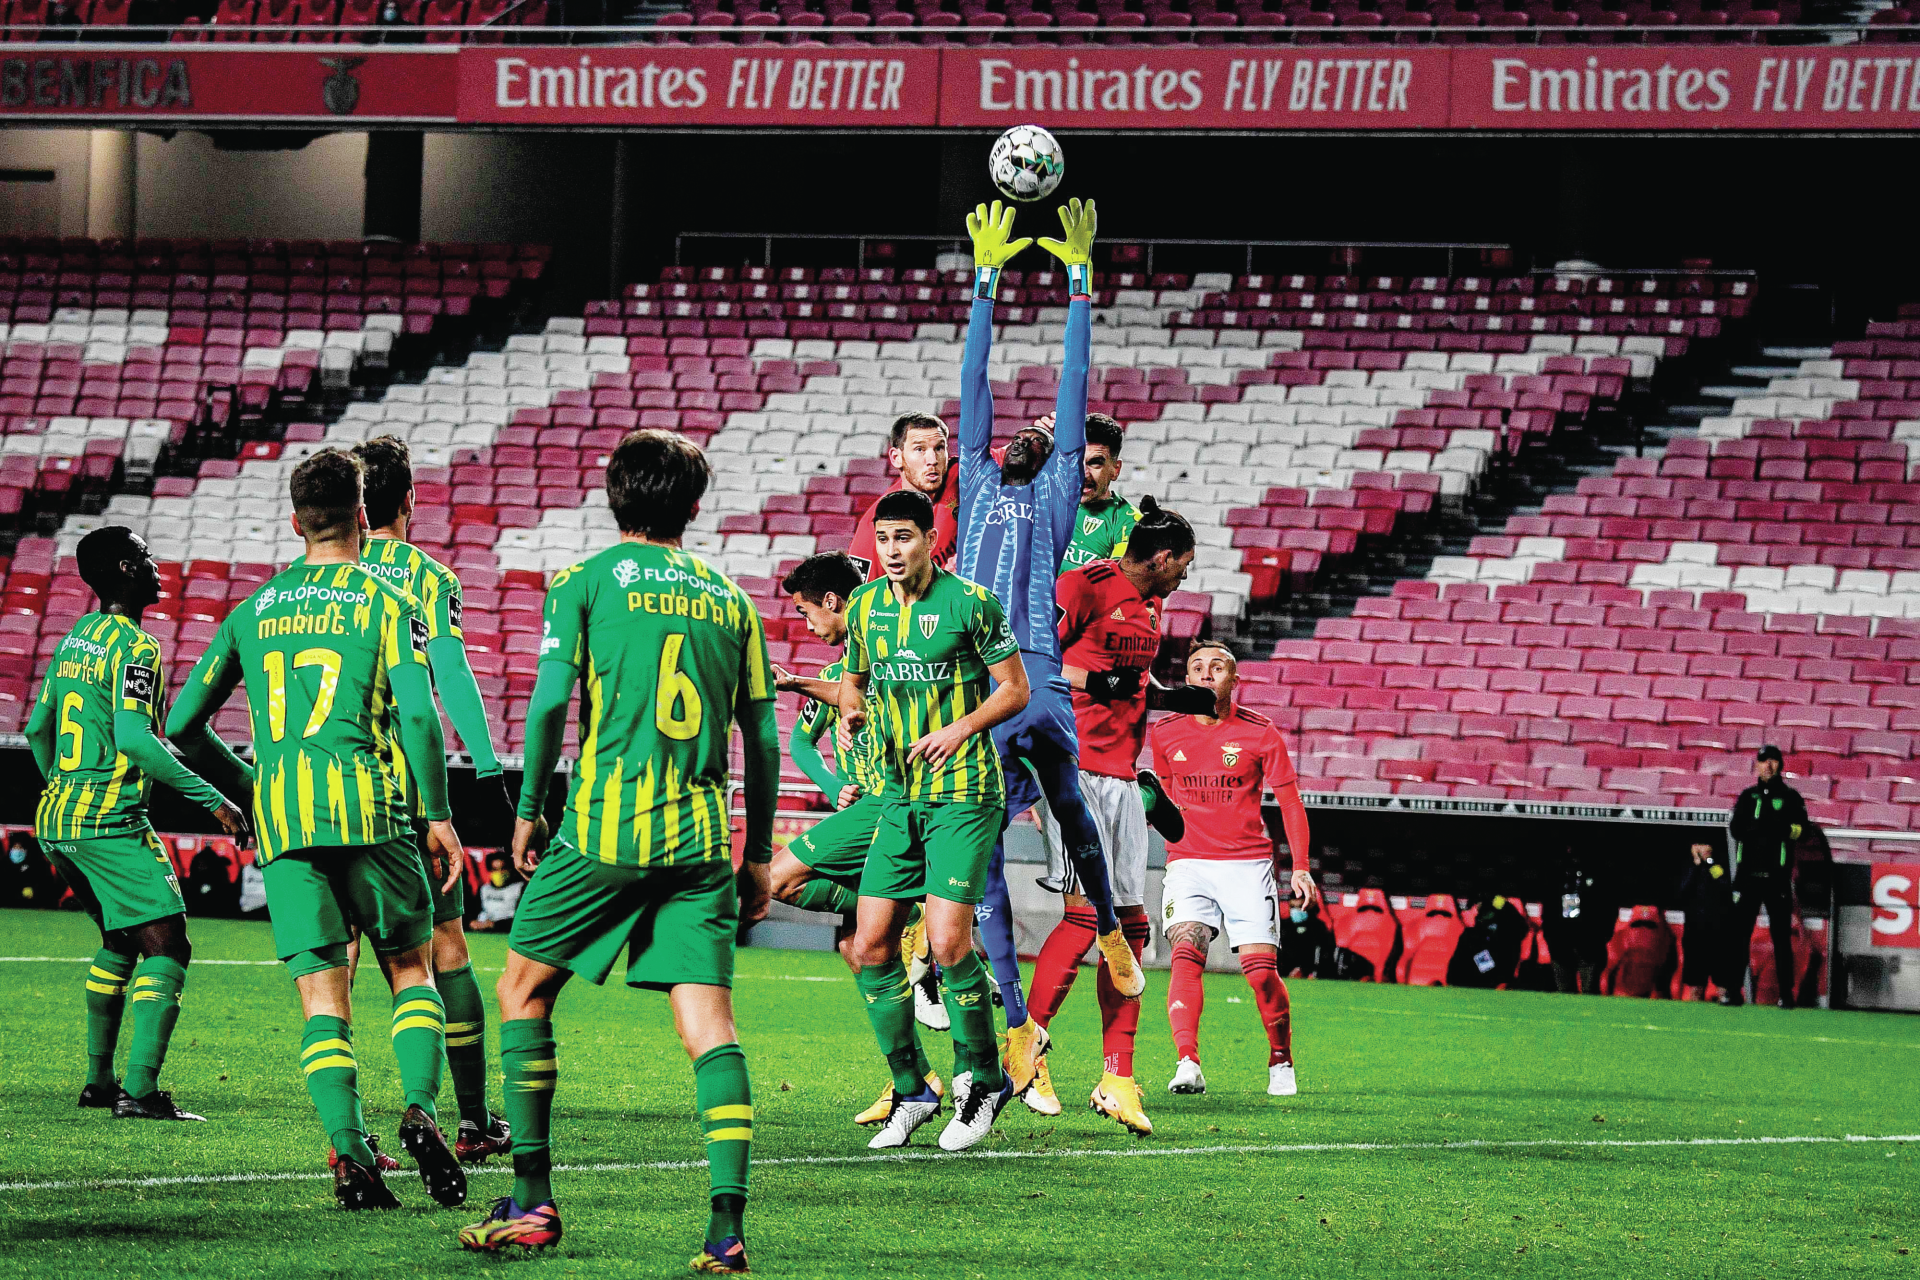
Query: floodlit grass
1556, 1089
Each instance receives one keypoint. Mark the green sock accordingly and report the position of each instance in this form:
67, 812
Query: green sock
890, 1009
106, 1001
724, 1096
825, 895
420, 1045
466, 1042
333, 1081
922, 1064
530, 1069
156, 1007
969, 1001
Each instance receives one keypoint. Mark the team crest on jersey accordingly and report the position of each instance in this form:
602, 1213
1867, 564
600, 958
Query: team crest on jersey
1230, 754
929, 623
1089, 524
263, 601
626, 573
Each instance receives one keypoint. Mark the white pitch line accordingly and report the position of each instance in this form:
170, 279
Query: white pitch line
1117, 1153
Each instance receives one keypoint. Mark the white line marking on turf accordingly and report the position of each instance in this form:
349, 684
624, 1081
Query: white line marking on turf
275, 964
1114, 1153
1628, 1026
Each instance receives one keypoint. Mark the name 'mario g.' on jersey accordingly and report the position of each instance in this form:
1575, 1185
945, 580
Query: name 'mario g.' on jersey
105, 665
315, 646
926, 665
668, 650
434, 588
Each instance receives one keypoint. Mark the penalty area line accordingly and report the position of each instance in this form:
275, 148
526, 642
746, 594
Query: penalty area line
1115, 1153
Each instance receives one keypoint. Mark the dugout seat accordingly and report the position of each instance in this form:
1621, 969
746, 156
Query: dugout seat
1371, 932
1430, 943
1640, 957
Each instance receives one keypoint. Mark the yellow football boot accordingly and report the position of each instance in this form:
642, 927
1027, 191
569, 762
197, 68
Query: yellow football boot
883, 1105
1025, 1045
914, 948
1039, 1096
1128, 979
1118, 1098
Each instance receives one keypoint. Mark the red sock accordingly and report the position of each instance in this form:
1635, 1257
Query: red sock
1186, 997
1262, 970
1120, 1015
1059, 961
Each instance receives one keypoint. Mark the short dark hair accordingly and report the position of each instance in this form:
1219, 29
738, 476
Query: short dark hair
387, 467
829, 573
915, 421
655, 480
905, 504
101, 553
1159, 531
1104, 430
326, 492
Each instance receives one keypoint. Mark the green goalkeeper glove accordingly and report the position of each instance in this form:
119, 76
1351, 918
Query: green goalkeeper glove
1079, 222
989, 229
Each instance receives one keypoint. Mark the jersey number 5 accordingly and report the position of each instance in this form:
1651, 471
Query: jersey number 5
676, 692
275, 664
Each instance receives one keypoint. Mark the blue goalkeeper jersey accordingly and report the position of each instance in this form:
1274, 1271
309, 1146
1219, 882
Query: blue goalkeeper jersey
1014, 537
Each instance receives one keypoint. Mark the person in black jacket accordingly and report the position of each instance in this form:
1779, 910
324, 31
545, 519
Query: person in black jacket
1306, 943
1767, 821
1579, 921
1706, 899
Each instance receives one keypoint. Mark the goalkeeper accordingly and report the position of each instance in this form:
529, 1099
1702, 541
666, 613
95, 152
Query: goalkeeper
1017, 519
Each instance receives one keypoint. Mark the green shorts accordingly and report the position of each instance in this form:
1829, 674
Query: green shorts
317, 896
835, 848
446, 906
120, 881
938, 848
677, 923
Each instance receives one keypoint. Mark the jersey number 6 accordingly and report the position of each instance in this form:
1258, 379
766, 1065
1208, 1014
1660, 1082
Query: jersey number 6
676, 690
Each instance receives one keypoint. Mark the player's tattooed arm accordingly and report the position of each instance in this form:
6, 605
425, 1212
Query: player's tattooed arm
827, 691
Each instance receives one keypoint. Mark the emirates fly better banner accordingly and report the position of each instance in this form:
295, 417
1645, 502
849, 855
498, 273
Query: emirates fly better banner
1275, 88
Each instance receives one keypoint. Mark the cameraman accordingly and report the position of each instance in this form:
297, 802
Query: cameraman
1766, 824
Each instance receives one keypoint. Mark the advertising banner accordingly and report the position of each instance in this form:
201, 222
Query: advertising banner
1255, 88
761, 85
334, 84
1182, 87
1896, 904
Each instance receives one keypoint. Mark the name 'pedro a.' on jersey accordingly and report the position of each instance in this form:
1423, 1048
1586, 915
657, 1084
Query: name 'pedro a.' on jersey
105, 665
927, 667
316, 646
668, 651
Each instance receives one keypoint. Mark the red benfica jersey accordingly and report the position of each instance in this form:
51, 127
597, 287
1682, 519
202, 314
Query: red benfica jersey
1105, 625
1215, 773
946, 527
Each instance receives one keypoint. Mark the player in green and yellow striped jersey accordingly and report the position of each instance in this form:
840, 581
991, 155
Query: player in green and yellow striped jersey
819, 870
921, 644
92, 733
1105, 518
388, 555
667, 652
335, 667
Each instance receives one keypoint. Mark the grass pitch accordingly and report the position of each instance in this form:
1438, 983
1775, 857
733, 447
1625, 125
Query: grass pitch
1437, 1132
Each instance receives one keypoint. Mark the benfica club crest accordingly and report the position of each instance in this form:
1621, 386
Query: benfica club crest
928, 624
1230, 754
340, 91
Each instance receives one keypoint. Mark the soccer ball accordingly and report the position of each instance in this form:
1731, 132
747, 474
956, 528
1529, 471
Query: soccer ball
1026, 163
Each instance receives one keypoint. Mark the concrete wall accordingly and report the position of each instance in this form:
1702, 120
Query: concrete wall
63, 151
185, 186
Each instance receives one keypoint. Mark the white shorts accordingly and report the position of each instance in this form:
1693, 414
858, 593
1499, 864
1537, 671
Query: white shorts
1240, 895
1121, 819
